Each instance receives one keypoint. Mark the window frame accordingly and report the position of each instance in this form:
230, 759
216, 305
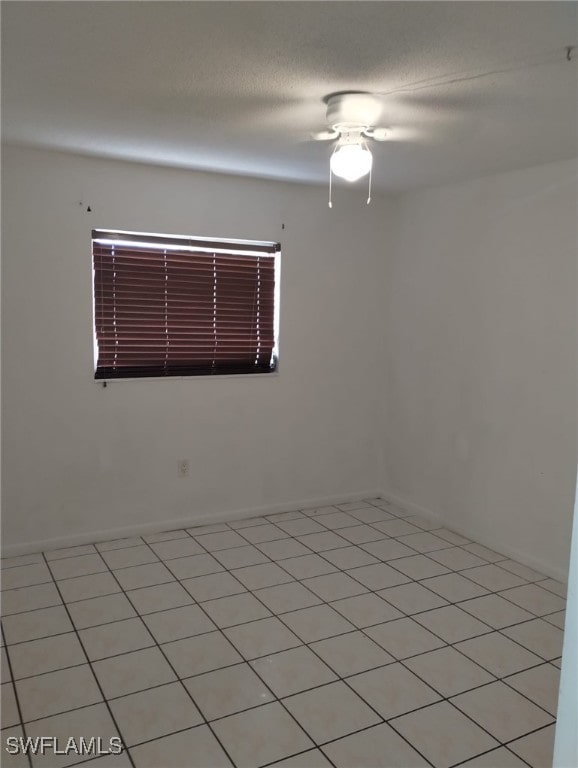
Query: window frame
187, 240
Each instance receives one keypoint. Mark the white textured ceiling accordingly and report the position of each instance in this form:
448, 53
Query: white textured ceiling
239, 86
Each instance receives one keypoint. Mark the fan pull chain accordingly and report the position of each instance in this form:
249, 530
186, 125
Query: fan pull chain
369, 189
330, 175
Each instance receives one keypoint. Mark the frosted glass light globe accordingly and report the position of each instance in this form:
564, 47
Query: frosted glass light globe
351, 162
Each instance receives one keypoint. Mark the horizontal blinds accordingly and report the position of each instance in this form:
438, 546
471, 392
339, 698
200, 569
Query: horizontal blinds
163, 310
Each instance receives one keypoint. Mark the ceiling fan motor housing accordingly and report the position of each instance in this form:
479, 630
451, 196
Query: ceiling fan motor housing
353, 112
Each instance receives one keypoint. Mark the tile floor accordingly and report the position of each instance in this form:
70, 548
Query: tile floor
354, 636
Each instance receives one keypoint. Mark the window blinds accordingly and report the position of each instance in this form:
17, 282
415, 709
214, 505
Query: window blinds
169, 306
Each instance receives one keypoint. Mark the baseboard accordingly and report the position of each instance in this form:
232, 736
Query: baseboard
93, 537
470, 532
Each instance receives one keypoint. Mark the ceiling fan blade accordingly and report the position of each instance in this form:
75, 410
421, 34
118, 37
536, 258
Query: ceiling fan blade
326, 135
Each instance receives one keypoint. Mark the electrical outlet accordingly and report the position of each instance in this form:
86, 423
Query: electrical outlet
183, 467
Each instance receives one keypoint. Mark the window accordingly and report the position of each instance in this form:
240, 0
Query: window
179, 306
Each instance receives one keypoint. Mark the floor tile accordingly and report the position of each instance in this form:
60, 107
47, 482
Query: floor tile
558, 619
153, 538
371, 515
495, 611
538, 636
378, 747
157, 712
366, 610
259, 534
29, 598
349, 557
540, 684
378, 576
537, 749
282, 549
493, 578
260, 736
287, 597
432, 731
17, 560
143, 576
535, 599
293, 671
194, 748
361, 534
201, 530
418, 567
326, 510
456, 558
108, 546
77, 566
396, 527
100, 610
448, 671
213, 542
249, 522
498, 654
334, 586
236, 609
94, 721
25, 576
451, 536
404, 638
300, 527
452, 624
501, 711
83, 587
239, 557
412, 598
424, 542
168, 550
388, 549
278, 516
177, 623
554, 586
35, 624
313, 758
331, 711
195, 565
307, 566
316, 623
352, 506
259, 576
117, 637
486, 554
227, 691
150, 599
212, 586
336, 520
202, 653
501, 757
9, 709
320, 542
132, 672
352, 653
521, 570
454, 587
393, 690
6, 674
124, 558
46, 655
260, 638
425, 523
57, 692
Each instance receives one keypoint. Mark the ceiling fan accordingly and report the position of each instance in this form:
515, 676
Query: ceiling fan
352, 119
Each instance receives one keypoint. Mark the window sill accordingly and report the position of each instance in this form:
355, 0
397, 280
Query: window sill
272, 375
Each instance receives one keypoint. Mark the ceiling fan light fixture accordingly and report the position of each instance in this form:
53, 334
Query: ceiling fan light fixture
351, 161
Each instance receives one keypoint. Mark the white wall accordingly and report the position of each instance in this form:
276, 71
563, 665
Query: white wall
480, 414
79, 459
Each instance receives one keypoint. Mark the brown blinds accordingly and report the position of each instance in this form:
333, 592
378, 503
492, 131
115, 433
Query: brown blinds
182, 307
